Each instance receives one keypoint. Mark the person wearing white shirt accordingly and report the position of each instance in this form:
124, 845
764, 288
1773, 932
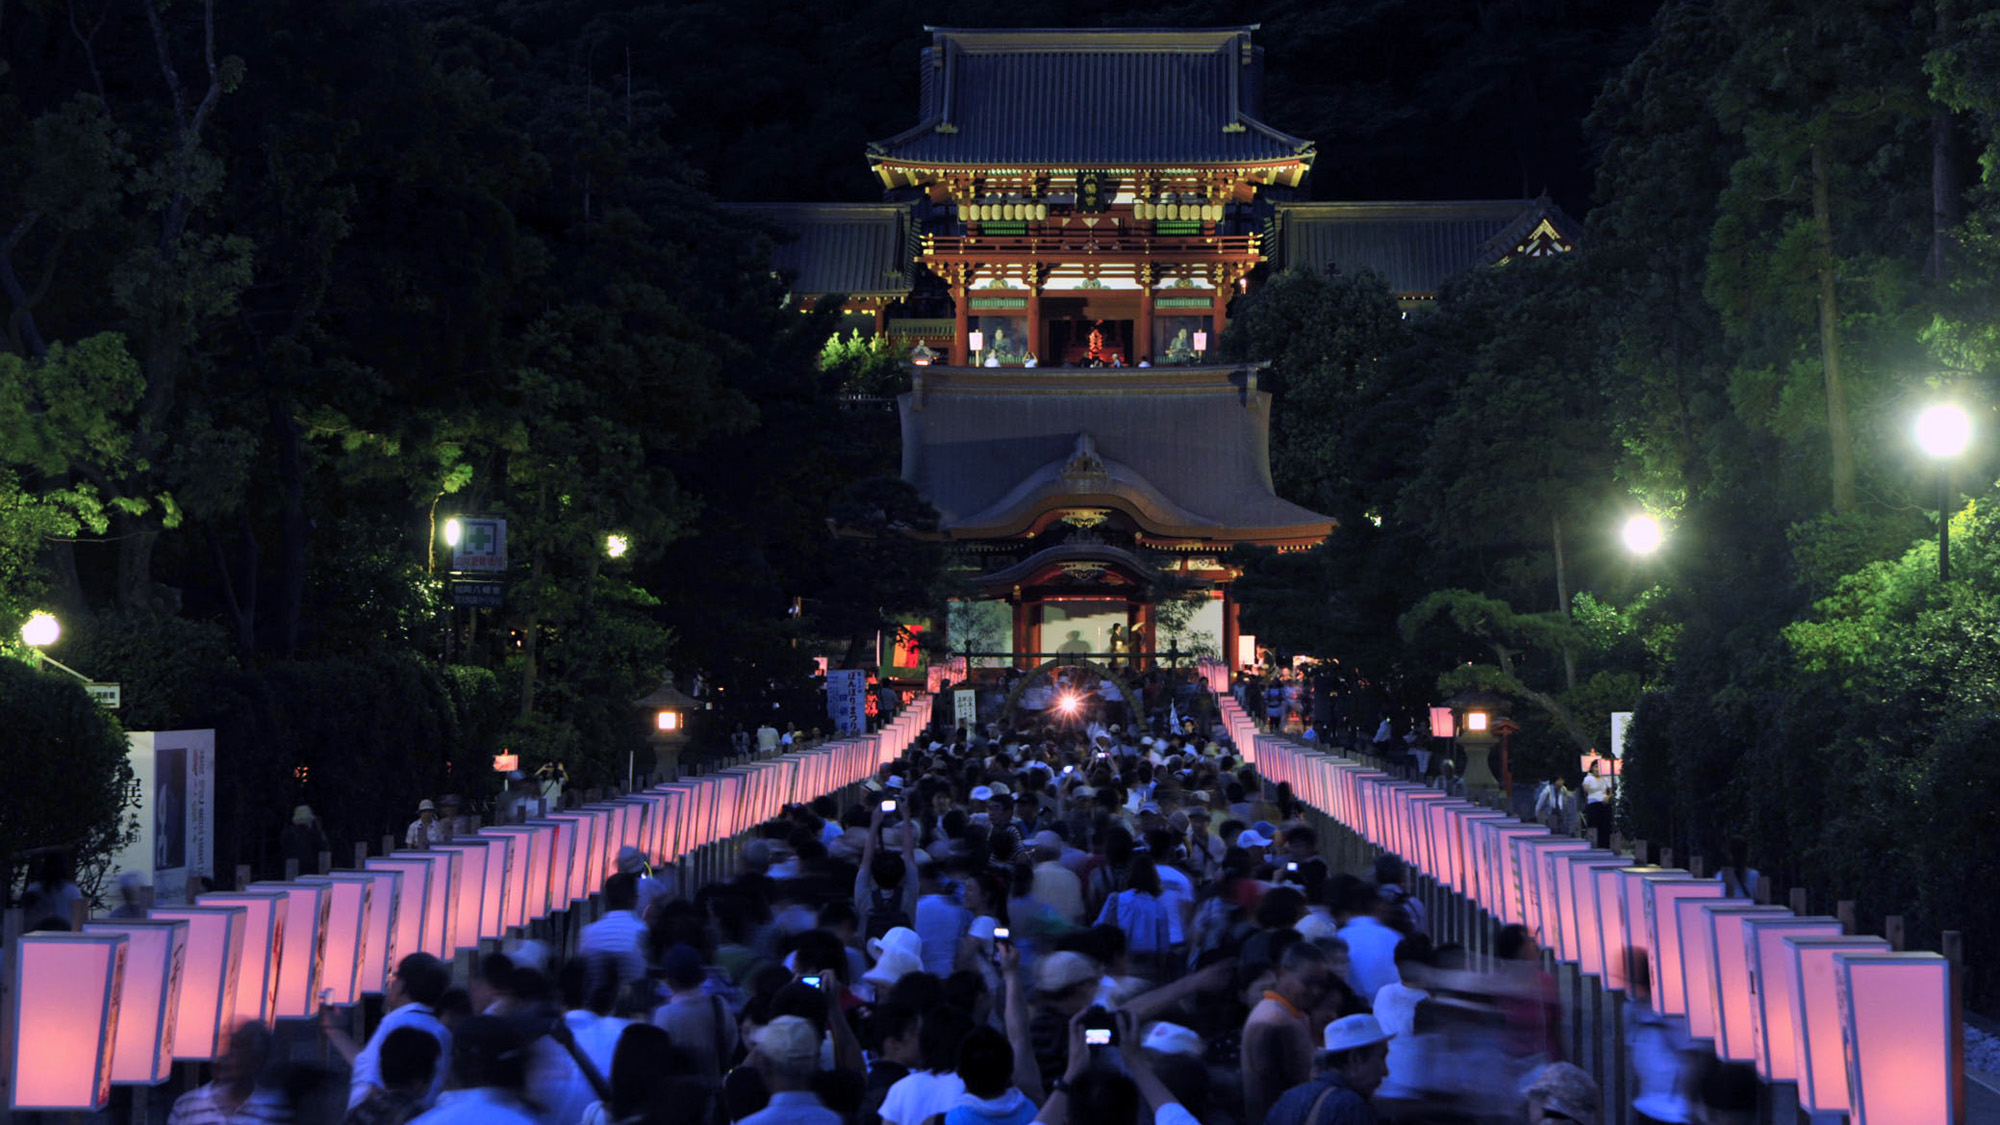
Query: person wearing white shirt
619, 934
555, 1081
937, 1087
1371, 946
488, 1076
419, 980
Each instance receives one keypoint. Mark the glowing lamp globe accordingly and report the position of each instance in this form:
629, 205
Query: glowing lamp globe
65, 1020
453, 532
40, 630
1642, 535
1943, 430
142, 1053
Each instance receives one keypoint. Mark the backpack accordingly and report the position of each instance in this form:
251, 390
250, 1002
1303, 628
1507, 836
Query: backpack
885, 912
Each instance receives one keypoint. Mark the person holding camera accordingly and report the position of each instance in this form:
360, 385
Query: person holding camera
1098, 1093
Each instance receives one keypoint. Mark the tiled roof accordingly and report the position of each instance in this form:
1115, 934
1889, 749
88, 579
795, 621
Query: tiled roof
1087, 98
860, 249
1414, 246
1185, 450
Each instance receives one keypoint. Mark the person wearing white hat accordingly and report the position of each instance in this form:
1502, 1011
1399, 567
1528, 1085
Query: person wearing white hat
1353, 1063
786, 1053
427, 830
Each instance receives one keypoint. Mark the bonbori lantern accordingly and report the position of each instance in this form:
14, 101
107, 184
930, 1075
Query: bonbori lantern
149, 998
65, 1019
1764, 948
263, 948
1663, 938
208, 977
1901, 1035
413, 900
304, 955
1735, 1030
349, 903
1816, 1023
385, 896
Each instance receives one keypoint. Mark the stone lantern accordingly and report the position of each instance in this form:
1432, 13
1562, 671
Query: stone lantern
669, 709
1480, 716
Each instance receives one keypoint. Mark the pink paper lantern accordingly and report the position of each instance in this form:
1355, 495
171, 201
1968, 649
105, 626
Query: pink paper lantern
1663, 938
441, 888
1901, 1036
1735, 1028
546, 880
350, 901
385, 897
65, 1020
1697, 942
1817, 1028
1764, 949
1584, 916
1539, 880
304, 955
149, 998
208, 977
468, 893
413, 900
263, 948
516, 840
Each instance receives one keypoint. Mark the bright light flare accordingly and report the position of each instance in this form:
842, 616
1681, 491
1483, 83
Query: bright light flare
453, 531
616, 545
1068, 703
1642, 535
1944, 430
40, 630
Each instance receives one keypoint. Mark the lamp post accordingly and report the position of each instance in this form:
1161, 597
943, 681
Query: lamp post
1943, 431
38, 632
669, 707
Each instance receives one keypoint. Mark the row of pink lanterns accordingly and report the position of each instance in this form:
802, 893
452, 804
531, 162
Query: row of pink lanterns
123, 1000
1862, 1029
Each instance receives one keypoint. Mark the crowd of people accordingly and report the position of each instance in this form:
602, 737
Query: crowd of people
1059, 924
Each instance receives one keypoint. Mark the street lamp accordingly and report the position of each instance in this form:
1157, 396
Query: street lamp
1943, 431
40, 630
616, 545
1642, 535
453, 530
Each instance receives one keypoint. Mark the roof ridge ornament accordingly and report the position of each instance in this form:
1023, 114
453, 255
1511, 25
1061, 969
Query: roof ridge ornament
1084, 460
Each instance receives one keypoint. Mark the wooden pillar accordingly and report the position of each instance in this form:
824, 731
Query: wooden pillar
1024, 633
882, 320
1231, 630
1142, 329
1035, 314
961, 314
1142, 635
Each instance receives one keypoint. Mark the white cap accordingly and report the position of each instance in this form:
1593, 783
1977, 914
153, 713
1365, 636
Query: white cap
982, 793
1173, 1039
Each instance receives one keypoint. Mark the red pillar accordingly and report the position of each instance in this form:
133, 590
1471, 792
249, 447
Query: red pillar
1231, 629
1035, 314
1024, 632
1142, 636
961, 314
1142, 329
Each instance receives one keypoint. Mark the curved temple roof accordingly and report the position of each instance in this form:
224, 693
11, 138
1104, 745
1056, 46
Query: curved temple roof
1184, 451
1112, 97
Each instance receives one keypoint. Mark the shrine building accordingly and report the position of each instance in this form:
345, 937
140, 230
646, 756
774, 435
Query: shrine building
1061, 233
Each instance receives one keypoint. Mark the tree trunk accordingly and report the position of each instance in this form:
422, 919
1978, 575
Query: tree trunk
1947, 181
1839, 440
531, 628
135, 566
1562, 597
293, 526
